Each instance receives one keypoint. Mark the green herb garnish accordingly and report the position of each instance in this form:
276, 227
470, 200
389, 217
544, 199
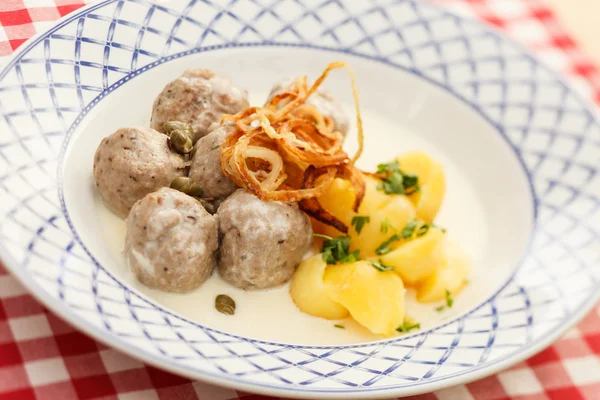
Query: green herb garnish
337, 249
359, 221
408, 326
413, 228
384, 247
449, 299
449, 302
386, 225
381, 266
339, 326
422, 230
396, 181
409, 230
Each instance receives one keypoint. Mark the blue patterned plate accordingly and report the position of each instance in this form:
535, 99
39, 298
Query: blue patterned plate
520, 148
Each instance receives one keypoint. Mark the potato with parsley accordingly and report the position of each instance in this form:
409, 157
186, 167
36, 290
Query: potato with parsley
418, 254
451, 276
310, 294
431, 183
378, 215
374, 298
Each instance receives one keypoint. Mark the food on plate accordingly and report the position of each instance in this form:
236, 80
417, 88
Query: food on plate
327, 105
449, 278
309, 292
131, 163
418, 255
225, 304
374, 298
198, 97
272, 176
377, 207
262, 242
287, 151
171, 241
206, 164
432, 183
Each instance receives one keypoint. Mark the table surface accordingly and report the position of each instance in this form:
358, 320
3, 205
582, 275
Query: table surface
41, 357
580, 17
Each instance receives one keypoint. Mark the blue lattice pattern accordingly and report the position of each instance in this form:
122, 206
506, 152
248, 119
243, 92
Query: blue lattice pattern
555, 134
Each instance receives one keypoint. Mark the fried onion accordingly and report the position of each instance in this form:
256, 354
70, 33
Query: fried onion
288, 151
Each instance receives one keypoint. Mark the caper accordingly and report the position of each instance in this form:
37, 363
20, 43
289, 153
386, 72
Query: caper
181, 142
187, 186
172, 126
208, 206
225, 304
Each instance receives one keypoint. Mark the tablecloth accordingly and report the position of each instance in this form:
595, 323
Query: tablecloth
41, 357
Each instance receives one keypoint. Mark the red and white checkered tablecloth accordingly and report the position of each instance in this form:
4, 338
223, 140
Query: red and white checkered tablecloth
41, 357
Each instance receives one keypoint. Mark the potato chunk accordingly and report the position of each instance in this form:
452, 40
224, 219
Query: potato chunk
396, 210
418, 258
432, 183
450, 276
375, 299
309, 292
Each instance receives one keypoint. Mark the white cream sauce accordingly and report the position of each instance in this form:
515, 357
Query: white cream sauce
271, 315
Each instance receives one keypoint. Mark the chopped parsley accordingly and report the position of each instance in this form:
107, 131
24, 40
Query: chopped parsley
359, 222
381, 266
416, 228
408, 325
337, 249
449, 299
339, 326
396, 181
384, 247
422, 230
413, 228
409, 230
449, 302
386, 225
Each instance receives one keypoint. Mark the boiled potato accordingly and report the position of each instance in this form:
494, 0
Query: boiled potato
417, 259
450, 276
398, 211
378, 206
309, 292
375, 299
432, 182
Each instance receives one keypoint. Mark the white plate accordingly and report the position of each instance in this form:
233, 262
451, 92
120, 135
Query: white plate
520, 149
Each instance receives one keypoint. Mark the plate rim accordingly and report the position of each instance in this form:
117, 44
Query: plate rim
112, 340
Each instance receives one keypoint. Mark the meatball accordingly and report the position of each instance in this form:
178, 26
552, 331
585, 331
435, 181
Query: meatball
262, 243
131, 163
171, 241
206, 165
322, 100
199, 98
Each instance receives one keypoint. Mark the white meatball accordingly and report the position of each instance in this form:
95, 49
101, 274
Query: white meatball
131, 163
262, 242
206, 165
171, 241
199, 98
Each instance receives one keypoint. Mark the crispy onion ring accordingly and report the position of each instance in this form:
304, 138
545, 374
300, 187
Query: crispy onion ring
278, 151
